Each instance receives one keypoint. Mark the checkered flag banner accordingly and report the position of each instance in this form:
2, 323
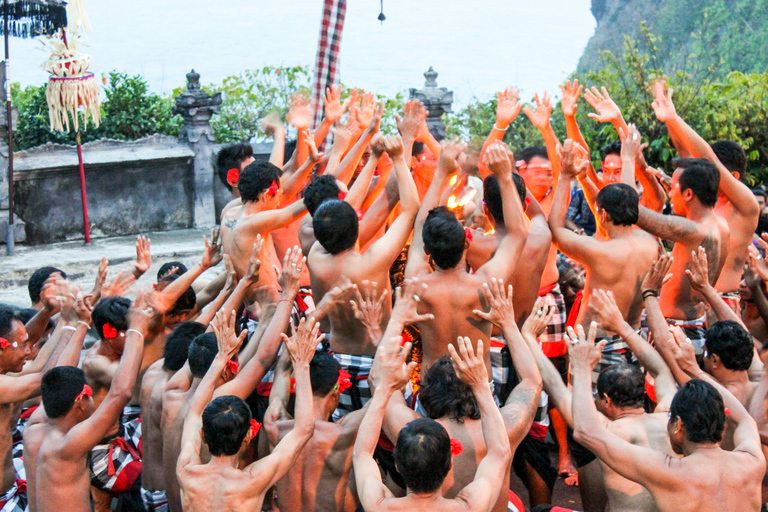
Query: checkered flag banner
327, 64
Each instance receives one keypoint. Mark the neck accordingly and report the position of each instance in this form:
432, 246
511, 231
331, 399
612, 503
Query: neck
65, 423
725, 376
629, 411
615, 231
323, 407
425, 496
105, 349
696, 211
690, 448
254, 206
461, 267
224, 461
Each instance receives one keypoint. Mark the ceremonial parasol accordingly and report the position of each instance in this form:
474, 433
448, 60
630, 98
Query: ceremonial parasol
73, 92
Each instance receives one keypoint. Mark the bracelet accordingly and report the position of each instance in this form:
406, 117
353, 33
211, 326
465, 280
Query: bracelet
137, 332
86, 324
68, 327
650, 293
284, 300
496, 127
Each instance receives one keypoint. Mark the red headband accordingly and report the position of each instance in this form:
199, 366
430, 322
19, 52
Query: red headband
87, 391
272, 190
233, 366
233, 175
109, 331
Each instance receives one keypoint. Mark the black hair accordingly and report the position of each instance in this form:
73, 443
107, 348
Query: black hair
226, 421
732, 156
59, 388
443, 394
731, 343
621, 202
7, 316
418, 148
700, 407
230, 157
336, 225
38, 279
423, 455
614, 148
24, 315
624, 384
177, 344
320, 190
759, 192
111, 310
202, 351
288, 149
444, 237
323, 373
187, 300
701, 177
492, 195
532, 151
256, 178
166, 268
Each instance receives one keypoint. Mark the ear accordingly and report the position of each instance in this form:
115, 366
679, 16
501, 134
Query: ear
687, 194
715, 359
736, 175
232, 184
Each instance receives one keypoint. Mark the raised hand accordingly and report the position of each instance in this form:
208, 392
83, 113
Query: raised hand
448, 162
684, 352
537, 322
367, 109
571, 93
507, 106
393, 145
84, 308
757, 263
574, 159
231, 282
140, 314
607, 110
468, 365
342, 137
662, 105
497, 159
391, 356
407, 302
101, 278
290, 277
631, 142
414, 115
698, 274
369, 308
119, 285
375, 125
143, 256
271, 124
314, 156
300, 115
302, 346
582, 351
608, 311
334, 108
337, 298
540, 118
658, 275
212, 255
664, 178
251, 276
502, 312
226, 336
377, 145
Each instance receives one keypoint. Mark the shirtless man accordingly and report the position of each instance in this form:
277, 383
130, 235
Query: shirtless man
226, 426
735, 201
175, 356
423, 449
334, 261
448, 400
693, 197
62, 445
616, 264
452, 292
230, 162
707, 478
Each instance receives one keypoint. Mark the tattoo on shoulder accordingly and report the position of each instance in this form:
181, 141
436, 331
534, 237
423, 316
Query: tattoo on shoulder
670, 227
230, 223
712, 247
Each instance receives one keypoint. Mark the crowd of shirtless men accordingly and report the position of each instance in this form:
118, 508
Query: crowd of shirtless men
404, 324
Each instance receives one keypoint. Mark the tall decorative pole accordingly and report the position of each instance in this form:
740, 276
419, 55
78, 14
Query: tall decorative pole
327, 62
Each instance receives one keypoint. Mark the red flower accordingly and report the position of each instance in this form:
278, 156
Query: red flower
233, 366
272, 190
4, 343
255, 427
233, 175
342, 196
405, 339
468, 233
109, 331
727, 411
87, 391
344, 381
456, 447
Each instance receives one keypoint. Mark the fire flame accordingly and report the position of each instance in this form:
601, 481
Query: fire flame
453, 203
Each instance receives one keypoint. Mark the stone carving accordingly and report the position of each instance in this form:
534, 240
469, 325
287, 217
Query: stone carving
437, 100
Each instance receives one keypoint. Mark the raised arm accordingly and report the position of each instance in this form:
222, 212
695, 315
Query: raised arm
607, 110
273, 127
630, 148
507, 109
698, 275
87, 434
334, 109
359, 190
482, 493
540, 119
347, 167
520, 408
209, 312
569, 105
669, 227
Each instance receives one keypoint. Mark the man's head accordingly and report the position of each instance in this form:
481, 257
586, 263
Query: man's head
260, 182
200, 355
621, 386
423, 162
444, 395
166, 268
732, 156
321, 189
762, 198
63, 389
618, 204
37, 280
494, 208
226, 425
423, 455
177, 344
235, 156
183, 306
536, 170
694, 179
444, 238
14, 342
611, 164
696, 415
110, 319
728, 347
336, 226
24, 316
323, 374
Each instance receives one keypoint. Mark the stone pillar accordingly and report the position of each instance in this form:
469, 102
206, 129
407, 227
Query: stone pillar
18, 223
197, 107
437, 100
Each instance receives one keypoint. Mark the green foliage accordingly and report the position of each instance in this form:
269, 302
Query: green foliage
732, 107
129, 112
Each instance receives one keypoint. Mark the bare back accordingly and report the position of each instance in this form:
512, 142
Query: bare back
174, 407
741, 231
9, 415
65, 483
208, 487
153, 385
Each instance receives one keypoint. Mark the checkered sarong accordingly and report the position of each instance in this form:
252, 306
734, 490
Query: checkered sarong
694, 330
15, 500
733, 299
616, 351
327, 63
552, 341
154, 501
357, 395
115, 463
